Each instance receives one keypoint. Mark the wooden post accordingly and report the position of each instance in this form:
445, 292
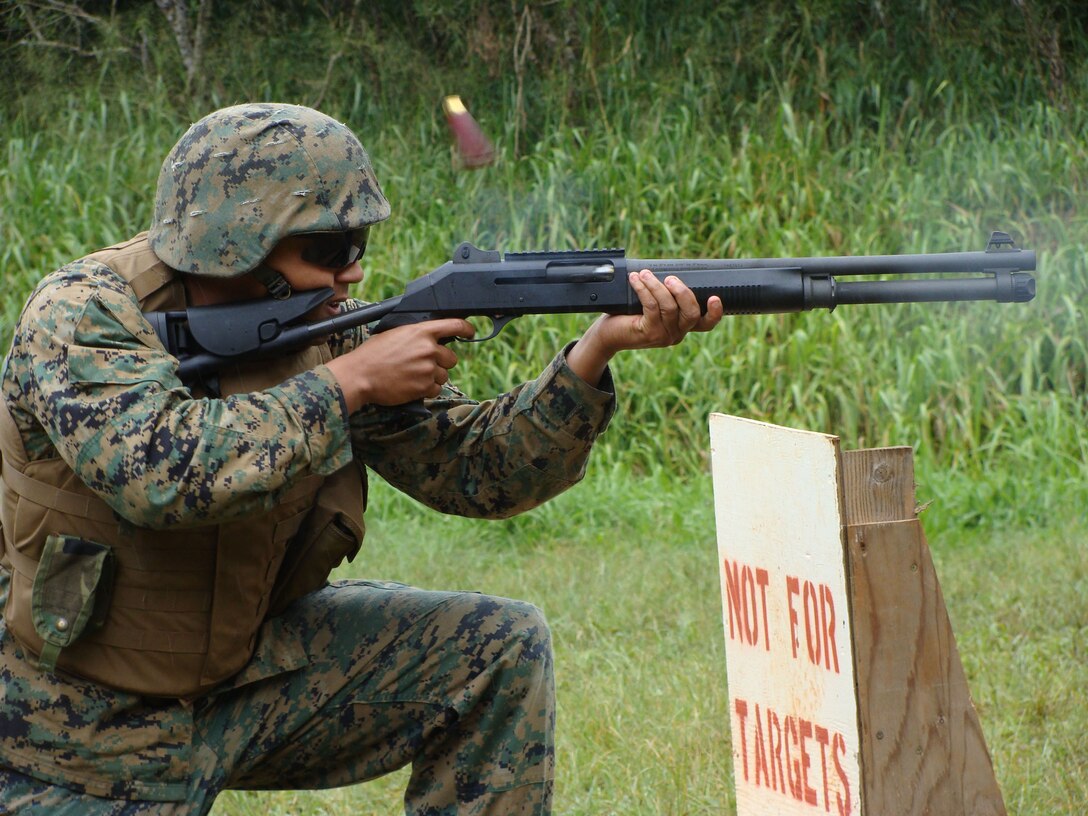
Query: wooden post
923, 751
847, 694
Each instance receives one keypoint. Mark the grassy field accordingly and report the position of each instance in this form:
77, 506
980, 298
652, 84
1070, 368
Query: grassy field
803, 129
627, 575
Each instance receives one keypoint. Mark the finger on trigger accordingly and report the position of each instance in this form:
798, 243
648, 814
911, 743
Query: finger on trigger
450, 327
461, 328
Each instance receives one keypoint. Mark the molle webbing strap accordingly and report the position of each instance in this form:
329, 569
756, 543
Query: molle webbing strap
152, 280
145, 640
142, 269
92, 507
130, 637
63, 501
9, 434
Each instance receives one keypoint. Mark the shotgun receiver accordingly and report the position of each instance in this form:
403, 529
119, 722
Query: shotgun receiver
478, 283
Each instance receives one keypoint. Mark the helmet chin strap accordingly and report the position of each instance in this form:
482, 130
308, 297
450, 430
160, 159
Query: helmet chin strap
273, 281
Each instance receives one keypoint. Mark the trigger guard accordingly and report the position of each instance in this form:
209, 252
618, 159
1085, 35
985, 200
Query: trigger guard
498, 322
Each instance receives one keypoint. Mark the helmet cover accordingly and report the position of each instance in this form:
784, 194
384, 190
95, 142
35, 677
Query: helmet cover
244, 177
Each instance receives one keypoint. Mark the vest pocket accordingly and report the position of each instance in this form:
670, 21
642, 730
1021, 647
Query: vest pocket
333, 531
71, 593
325, 541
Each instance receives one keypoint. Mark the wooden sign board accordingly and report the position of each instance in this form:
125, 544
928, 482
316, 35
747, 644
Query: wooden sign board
785, 613
846, 692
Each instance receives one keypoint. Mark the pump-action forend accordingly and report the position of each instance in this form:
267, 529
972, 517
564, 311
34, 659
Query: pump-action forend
478, 283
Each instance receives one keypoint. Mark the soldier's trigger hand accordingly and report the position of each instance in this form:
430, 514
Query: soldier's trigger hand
398, 366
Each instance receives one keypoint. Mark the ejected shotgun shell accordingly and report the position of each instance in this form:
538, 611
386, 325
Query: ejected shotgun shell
473, 148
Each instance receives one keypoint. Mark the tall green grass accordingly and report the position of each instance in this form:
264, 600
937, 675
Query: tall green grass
991, 396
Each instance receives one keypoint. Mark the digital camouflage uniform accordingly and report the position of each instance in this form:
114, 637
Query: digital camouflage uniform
347, 683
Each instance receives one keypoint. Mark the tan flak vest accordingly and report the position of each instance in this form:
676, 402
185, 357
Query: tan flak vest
182, 609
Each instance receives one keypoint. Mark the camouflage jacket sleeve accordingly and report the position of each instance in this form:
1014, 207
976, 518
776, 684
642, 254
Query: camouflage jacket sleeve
490, 459
88, 380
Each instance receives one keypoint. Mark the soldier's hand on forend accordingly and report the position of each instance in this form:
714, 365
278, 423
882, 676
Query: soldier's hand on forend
669, 312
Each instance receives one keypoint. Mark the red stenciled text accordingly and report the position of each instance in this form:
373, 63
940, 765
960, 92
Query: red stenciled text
817, 605
793, 757
746, 599
810, 605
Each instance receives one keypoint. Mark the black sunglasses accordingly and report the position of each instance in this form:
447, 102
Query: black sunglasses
335, 250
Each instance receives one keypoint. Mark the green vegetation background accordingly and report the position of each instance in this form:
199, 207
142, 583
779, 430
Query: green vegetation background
700, 129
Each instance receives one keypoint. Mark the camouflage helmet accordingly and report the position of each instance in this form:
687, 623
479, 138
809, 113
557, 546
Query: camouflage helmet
244, 177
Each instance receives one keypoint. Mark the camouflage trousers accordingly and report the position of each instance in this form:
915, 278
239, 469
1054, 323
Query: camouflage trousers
459, 685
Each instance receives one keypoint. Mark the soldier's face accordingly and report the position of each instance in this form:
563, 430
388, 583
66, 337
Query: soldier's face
303, 275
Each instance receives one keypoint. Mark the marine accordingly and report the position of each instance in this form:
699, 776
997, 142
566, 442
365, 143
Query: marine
169, 627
